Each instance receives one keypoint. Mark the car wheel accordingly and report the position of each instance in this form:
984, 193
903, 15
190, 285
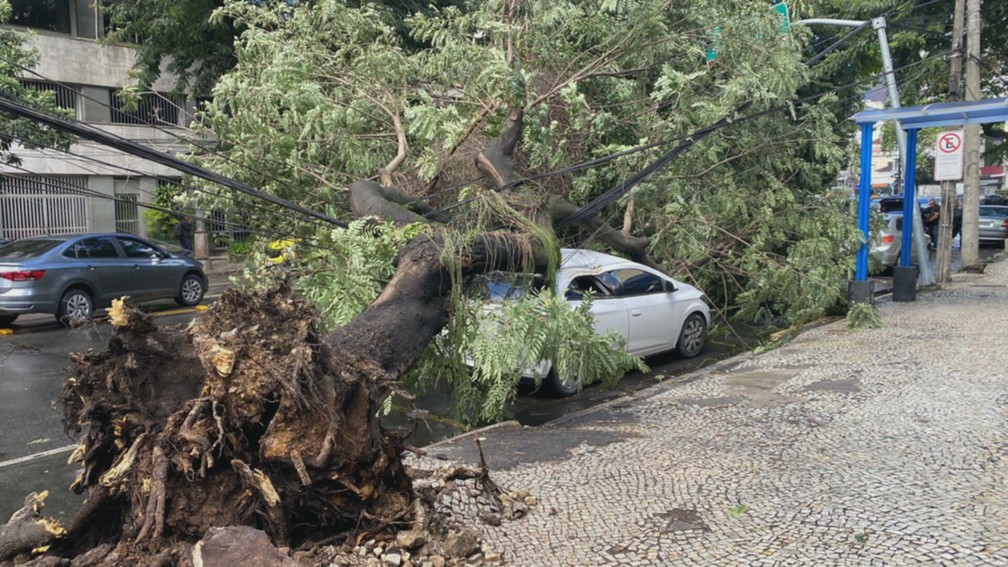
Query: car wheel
562, 386
191, 291
693, 336
75, 306
7, 320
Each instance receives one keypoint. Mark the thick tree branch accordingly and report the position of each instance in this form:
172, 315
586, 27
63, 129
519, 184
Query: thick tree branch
496, 161
633, 246
417, 297
368, 198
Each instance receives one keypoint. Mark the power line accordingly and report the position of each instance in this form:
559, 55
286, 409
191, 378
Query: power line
148, 123
88, 132
168, 180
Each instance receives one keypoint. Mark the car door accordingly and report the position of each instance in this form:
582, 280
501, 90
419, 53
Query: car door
101, 265
650, 310
608, 311
150, 275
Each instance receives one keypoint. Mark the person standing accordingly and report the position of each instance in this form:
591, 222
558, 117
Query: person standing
930, 216
184, 232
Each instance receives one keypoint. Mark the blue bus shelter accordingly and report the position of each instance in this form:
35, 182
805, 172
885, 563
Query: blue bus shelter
911, 119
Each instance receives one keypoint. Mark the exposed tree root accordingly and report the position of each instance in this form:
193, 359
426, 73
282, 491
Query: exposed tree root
246, 419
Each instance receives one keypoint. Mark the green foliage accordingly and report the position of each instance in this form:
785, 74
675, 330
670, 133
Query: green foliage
179, 37
238, 251
14, 58
161, 222
510, 338
863, 315
320, 94
342, 270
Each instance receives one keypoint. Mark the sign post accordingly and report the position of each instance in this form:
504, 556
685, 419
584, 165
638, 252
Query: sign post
949, 156
948, 170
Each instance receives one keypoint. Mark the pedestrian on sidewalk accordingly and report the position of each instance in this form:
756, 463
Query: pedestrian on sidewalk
184, 232
930, 216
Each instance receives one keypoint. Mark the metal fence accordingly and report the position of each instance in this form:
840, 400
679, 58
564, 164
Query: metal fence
152, 109
37, 205
66, 97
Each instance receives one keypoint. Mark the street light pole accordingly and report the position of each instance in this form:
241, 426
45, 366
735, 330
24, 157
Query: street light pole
926, 274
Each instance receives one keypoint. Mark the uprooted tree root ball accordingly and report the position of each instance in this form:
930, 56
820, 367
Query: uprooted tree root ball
247, 418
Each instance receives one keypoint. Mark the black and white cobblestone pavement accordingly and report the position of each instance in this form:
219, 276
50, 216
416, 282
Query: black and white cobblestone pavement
844, 447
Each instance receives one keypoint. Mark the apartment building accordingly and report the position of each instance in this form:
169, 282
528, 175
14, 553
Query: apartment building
93, 187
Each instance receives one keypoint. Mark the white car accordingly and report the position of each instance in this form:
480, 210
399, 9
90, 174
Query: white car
651, 311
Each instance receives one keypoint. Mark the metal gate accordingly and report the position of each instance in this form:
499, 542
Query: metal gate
37, 205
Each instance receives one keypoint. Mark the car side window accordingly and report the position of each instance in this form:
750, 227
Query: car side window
585, 285
136, 249
636, 282
96, 248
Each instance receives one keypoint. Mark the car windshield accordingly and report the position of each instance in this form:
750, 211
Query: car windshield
993, 211
27, 248
500, 286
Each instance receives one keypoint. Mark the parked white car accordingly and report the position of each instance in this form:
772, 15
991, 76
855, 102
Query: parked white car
649, 310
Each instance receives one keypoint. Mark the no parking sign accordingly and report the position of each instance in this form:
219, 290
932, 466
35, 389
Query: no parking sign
949, 156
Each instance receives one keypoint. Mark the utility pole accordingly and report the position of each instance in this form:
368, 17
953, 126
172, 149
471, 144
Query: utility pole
926, 274
971, 143
948, 192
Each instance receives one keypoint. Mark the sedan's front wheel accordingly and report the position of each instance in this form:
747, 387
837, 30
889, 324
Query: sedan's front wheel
7, 319
191, 291
693, 336
74, 307
563, 386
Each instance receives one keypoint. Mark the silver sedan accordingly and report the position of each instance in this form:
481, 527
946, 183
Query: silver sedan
993, 225
71, 275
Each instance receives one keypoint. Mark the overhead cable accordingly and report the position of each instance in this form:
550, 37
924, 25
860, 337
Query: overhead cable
87, 132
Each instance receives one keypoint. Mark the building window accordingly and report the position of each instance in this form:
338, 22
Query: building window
127, 212
66, 97
51, 15
153, 109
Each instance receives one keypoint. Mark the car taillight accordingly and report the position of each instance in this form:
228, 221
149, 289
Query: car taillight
23, 276
1004, 224
888, 239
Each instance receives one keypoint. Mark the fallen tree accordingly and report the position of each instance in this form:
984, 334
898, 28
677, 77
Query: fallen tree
249, 418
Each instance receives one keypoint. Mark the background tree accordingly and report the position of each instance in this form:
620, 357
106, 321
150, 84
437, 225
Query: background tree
14, 58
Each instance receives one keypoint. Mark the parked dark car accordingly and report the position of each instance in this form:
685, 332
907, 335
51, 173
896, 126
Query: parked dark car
72, 275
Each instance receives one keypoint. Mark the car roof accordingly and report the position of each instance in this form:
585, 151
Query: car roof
577, 258
68, 236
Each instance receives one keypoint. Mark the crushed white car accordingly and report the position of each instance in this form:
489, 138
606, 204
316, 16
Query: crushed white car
649, 310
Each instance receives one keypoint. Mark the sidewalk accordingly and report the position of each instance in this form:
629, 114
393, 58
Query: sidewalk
869, 447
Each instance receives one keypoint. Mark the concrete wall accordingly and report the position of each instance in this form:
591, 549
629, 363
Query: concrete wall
82, 61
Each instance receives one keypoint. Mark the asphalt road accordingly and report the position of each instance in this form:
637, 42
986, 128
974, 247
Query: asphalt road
33, 364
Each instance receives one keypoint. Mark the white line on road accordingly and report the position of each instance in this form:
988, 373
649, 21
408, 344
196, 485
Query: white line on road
41, 455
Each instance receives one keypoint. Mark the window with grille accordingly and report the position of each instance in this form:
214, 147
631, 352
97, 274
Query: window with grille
157, 109
38, 205
66, 96
127, 212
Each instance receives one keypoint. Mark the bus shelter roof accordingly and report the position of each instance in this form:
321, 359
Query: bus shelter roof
939, 114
